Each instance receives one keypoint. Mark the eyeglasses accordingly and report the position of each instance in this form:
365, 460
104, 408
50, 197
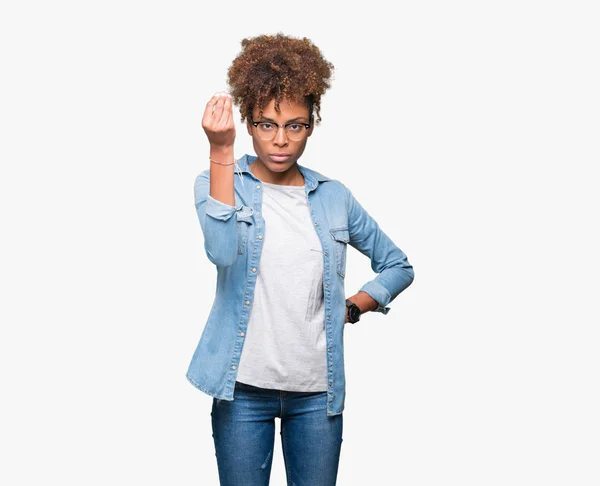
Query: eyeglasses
294, 131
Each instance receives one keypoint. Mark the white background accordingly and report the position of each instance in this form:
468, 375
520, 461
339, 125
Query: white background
469, 130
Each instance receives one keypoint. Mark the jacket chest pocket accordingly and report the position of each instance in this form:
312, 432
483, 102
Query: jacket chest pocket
341, 237
244, 220
242, 231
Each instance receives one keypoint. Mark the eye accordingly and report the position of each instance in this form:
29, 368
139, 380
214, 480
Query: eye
266, 126
295, 127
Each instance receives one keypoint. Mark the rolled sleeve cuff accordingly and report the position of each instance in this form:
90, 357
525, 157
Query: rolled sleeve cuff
379, 293
219, 210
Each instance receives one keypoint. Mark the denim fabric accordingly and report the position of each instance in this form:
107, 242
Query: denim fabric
233, 237
244, 437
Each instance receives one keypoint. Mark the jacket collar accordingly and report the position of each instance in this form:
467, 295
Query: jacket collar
312, 177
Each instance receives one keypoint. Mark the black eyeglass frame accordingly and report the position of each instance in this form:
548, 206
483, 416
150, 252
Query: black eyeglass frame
306, 125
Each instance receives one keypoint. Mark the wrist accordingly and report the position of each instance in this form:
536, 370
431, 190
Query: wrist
353, 312
364, 302
222, 153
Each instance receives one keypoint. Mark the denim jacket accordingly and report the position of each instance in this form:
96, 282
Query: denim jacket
233, 241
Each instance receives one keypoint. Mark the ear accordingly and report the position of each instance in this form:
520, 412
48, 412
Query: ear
249, 127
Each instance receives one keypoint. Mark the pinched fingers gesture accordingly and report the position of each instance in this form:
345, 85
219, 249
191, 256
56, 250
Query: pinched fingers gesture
217, 121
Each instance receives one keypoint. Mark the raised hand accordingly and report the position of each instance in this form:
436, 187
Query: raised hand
217, 121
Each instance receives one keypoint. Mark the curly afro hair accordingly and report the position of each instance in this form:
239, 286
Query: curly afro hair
277, 67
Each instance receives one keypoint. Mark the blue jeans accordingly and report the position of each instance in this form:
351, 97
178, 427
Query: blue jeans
244, 436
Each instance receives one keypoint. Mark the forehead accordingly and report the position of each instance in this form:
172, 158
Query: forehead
287, 110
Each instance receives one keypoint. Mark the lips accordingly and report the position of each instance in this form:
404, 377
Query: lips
279, 157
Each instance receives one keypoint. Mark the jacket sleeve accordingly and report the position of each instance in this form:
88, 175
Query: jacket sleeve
394, 271
218, 221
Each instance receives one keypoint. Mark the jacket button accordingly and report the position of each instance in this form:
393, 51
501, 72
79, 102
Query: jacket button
242, 334
260, 237
258, 186
329, 350
316, 224
326, 286
233, 367
247, 302
328, 318
325, 253
254, 270
330, 384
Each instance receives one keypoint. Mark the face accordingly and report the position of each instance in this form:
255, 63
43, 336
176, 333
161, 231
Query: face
288, 112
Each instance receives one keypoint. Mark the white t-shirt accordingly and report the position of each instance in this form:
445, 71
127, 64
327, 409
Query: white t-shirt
285, 343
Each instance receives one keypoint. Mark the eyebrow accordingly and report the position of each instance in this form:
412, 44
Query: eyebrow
293, 119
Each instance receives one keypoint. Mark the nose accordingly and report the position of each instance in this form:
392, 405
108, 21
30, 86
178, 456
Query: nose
280, 136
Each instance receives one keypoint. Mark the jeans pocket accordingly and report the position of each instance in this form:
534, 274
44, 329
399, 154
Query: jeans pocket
341, 237
243, 229
244, 220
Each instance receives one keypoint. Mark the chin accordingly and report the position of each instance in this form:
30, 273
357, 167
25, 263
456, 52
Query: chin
279, 167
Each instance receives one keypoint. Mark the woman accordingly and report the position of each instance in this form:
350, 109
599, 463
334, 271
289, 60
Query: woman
278, 234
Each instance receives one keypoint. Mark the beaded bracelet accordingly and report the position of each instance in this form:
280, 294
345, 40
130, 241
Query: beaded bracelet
235, 161
221, 163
